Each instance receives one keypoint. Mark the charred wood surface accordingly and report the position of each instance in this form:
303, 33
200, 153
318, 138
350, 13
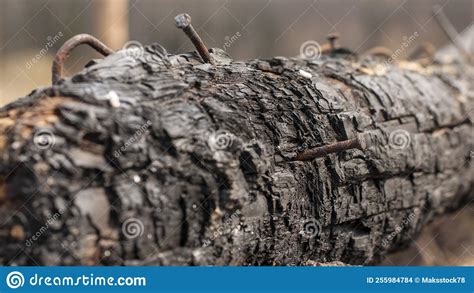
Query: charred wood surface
148, 158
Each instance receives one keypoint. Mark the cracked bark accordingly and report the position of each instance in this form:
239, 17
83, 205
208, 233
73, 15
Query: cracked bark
198, 158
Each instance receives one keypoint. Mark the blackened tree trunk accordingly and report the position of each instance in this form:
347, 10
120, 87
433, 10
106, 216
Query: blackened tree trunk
148, 158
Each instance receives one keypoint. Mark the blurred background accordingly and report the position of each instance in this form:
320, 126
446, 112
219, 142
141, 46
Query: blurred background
31, 31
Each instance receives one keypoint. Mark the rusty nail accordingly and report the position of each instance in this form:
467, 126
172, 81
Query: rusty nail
450, 31
69, 45
333, 40
183, 21
360, 142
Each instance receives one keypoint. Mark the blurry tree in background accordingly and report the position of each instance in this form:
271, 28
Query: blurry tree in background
245, 28
111, 22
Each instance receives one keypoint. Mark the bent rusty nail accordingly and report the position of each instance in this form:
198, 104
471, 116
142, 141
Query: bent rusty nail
360, 142
450, 31
183, 21
71, 44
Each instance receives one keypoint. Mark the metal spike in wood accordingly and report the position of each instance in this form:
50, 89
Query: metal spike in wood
360, 142
183, 21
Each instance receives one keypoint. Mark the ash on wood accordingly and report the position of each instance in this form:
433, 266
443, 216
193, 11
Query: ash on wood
148, 158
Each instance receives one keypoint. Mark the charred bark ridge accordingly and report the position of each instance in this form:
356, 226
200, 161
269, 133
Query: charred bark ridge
148, 158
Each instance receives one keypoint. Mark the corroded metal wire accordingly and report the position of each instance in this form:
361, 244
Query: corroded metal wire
71, 44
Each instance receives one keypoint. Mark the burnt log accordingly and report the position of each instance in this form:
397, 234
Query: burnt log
149, 158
